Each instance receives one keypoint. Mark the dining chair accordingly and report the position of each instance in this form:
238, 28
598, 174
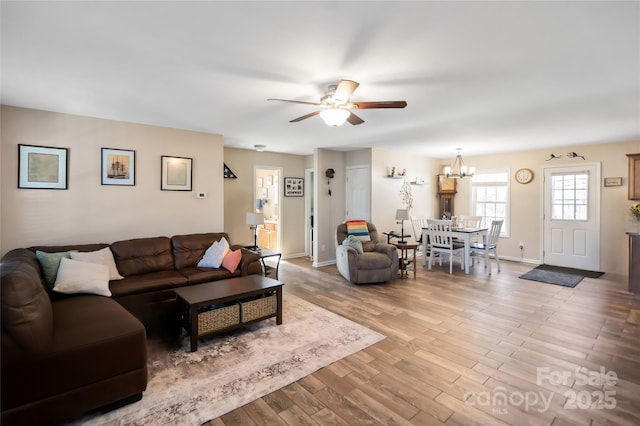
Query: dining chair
417, 223
470, 221
490, 244
441, 241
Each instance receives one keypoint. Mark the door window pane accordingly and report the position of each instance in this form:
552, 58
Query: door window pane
569, 196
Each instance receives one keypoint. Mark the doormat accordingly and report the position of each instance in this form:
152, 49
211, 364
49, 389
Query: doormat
552, 277
584, 273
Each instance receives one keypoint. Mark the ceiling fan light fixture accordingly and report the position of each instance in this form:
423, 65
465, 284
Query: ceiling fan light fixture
334, 116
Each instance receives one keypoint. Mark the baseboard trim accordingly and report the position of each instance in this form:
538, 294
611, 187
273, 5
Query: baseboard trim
293, 256
327, 263
520, 260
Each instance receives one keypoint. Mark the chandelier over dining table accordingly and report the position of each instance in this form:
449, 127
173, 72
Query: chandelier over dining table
458, 169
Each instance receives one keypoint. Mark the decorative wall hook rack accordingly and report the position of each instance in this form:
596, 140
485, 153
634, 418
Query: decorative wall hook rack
552, 156
574, 155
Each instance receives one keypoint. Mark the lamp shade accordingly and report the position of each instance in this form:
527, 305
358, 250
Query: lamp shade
255, 218
402, 214
334, 116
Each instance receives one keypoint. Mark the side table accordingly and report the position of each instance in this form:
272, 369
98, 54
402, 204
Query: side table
264, 253
394, 234
404, 256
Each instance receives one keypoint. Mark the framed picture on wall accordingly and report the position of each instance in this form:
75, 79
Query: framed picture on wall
176, 173
268, 180
118, 167
293, 187
41, 167
613, 181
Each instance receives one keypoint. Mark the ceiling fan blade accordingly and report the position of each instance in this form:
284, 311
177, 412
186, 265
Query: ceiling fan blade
354, 119
304, 117
380, 104
344, 91
296, 102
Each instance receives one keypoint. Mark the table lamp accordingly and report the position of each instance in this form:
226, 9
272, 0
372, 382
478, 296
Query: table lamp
402, 215
253, 220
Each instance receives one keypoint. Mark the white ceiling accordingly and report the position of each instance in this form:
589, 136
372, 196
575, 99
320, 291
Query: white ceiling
484, 76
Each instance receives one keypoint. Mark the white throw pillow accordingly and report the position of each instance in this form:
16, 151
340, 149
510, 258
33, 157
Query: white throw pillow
82, 277
102, 257
215, 254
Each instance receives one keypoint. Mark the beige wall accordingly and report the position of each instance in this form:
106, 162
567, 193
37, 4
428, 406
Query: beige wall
239, 197
89, 212
385, 192
386, 196
329, 209
526, 200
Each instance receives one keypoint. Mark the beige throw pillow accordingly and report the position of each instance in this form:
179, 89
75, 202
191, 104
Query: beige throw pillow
102, 257
82, 277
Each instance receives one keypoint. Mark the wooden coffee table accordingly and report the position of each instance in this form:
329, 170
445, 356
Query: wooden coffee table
220, 306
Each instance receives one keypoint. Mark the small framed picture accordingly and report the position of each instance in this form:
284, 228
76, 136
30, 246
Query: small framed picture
260, 183
176, 173
118, 167
41, 167
268, 180
293, 187
613, 181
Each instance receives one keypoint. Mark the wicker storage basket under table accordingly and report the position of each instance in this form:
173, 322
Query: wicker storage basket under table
258, 308
218, 319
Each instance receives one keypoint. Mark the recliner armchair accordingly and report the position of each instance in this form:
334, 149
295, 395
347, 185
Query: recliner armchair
378, 263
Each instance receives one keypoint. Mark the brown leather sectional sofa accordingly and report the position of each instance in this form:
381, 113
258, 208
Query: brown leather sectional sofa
64, 355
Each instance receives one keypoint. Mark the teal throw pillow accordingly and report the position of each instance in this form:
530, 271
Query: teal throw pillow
50, 262
352, 241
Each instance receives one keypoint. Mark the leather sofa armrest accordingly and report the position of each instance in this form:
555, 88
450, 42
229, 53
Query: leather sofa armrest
250, 262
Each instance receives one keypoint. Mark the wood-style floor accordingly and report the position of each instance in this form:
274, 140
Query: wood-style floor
466, 350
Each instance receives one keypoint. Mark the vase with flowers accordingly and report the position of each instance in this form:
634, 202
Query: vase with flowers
635, 212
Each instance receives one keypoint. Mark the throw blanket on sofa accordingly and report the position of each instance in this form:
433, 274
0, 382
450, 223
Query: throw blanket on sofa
358, 228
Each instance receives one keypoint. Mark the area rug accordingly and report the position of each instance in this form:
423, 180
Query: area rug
227, 372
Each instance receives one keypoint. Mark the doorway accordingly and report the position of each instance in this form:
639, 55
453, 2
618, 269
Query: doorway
267, 201
571, 216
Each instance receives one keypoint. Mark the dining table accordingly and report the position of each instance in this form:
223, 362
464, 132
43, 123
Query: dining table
464, 234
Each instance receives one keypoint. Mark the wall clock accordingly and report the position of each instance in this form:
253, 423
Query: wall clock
524, 175
446, 185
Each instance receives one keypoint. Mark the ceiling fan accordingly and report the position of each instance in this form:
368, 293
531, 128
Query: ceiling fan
335, 105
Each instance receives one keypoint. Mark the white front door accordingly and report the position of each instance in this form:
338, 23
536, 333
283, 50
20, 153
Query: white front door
571, 224
358, 193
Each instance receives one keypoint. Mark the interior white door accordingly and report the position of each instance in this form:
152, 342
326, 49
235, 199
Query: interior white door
358, 193
571, 220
